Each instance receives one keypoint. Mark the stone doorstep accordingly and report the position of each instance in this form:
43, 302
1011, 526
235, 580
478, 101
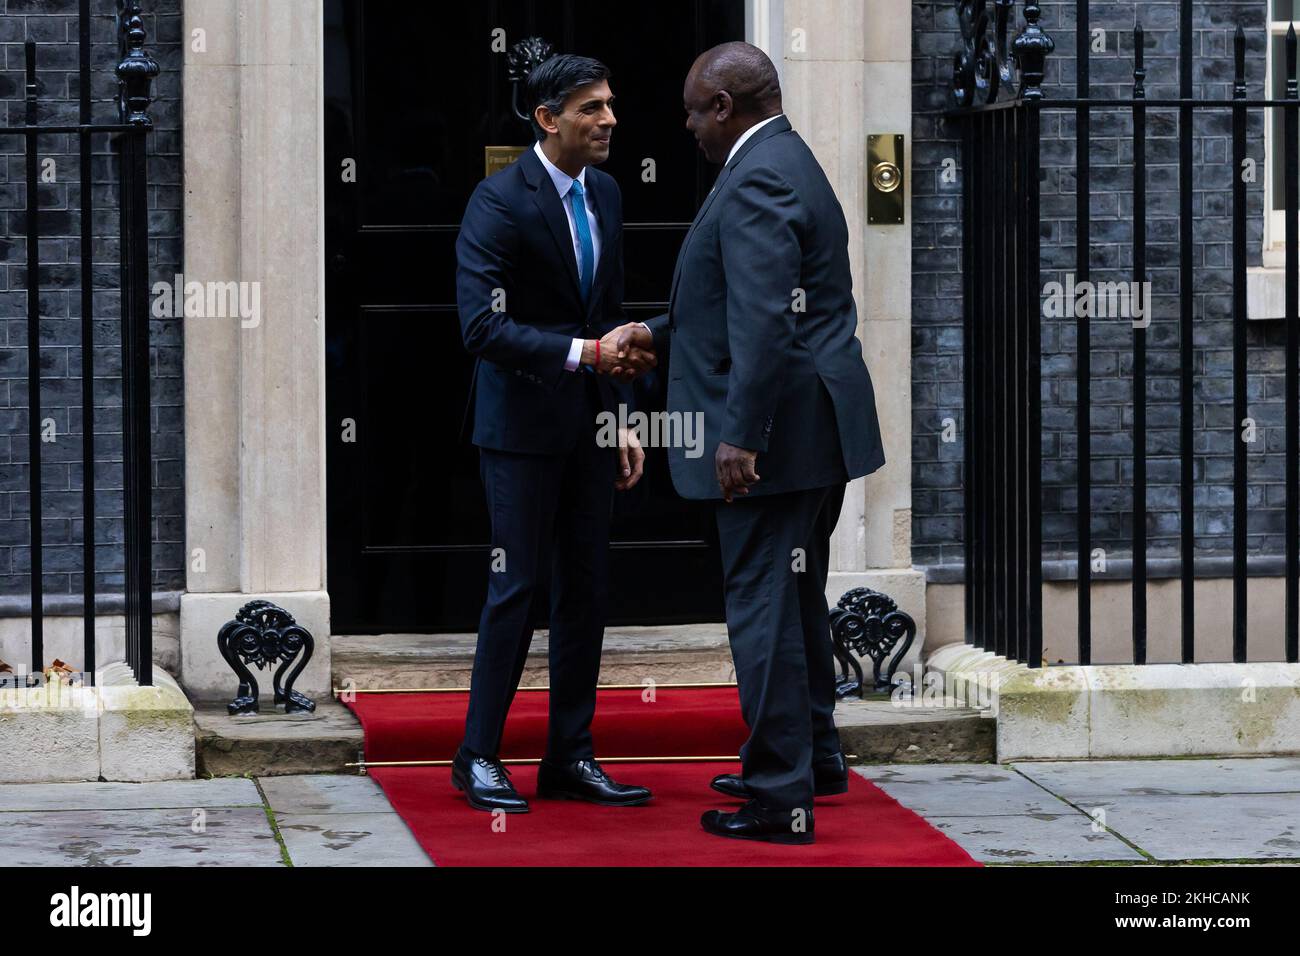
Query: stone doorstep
116, 731
325, 742
273, 743
685, 653
878, 731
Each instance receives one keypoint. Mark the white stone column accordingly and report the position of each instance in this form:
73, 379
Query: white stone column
847, 73
254, 389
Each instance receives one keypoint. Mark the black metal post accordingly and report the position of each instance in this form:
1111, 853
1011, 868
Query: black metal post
136, 73
1292, 385
1083, 346
1239, 476
87, 352
992, 610
1187, 530
1022, 282
140, 456
1033, 386
969, 418
997, 381
979, 331
1139, 353
34, 365
125, 222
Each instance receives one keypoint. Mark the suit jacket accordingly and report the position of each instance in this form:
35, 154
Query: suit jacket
515, 238
760, 327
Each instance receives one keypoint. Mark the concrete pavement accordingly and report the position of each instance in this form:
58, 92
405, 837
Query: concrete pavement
1133, 812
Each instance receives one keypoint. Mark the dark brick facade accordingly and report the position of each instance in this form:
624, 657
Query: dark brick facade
53, 24
936, 295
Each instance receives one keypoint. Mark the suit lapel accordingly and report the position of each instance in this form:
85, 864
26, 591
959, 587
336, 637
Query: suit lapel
699, 217
548, 202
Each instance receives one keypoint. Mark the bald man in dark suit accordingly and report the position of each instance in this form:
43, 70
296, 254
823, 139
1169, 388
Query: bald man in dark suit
760, 338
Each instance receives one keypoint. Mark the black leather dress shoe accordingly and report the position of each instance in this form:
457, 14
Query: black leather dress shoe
486, 783
830, 777
586, 780
754, 822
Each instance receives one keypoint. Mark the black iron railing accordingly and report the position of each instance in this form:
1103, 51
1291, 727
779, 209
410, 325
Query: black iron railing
1003, 311
135, 71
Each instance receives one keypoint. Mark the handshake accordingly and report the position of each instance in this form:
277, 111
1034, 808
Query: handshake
623, 353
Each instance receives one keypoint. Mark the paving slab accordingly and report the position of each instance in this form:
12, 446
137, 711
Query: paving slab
1206, 826
1036, 838
231, 836
340, 820
163, 794
997, 815
971, 789
1095, 778
325, 793
350, 839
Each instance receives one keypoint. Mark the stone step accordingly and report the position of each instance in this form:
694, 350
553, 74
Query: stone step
272, 743
684, 653
877, 730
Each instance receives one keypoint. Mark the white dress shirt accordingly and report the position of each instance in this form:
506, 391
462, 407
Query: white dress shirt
563, 183
748, 133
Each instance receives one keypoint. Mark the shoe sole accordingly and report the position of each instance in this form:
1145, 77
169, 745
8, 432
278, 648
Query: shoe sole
828, 791
566, 795
783, 839
487, 807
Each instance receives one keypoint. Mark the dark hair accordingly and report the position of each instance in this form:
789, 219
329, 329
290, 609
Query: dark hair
551, 83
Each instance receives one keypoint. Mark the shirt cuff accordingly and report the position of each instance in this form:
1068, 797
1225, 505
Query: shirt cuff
647, 328
575, 356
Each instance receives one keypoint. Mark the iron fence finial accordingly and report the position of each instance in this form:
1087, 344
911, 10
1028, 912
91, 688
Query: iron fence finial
137, 69
1290, 62
1031, 49
1139, 66
1239, 63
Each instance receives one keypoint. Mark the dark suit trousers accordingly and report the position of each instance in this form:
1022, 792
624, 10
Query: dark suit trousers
779, 628
550, 519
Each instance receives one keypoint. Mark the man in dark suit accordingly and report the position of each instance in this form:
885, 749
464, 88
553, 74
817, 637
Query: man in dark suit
760, 337
539, 289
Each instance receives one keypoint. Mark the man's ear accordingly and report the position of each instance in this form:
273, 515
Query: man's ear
546, 120
722, 105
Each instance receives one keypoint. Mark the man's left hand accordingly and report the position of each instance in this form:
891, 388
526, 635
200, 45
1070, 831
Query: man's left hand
631, 459
734, 468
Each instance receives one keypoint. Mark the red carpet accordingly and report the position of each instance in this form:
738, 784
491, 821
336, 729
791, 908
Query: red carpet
864, 827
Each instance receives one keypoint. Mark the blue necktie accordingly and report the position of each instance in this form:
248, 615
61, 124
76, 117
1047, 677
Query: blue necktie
584, 238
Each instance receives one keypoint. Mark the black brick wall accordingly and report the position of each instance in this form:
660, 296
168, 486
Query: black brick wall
936, 295
53, 24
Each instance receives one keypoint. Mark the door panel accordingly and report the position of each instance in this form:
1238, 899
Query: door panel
413, 94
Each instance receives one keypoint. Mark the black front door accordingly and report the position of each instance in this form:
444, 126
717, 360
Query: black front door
414, 92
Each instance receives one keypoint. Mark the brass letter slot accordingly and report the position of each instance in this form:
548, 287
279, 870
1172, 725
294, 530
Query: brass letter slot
885, 178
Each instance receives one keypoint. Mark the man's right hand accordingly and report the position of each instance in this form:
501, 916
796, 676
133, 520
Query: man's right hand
631, 341
625, 352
